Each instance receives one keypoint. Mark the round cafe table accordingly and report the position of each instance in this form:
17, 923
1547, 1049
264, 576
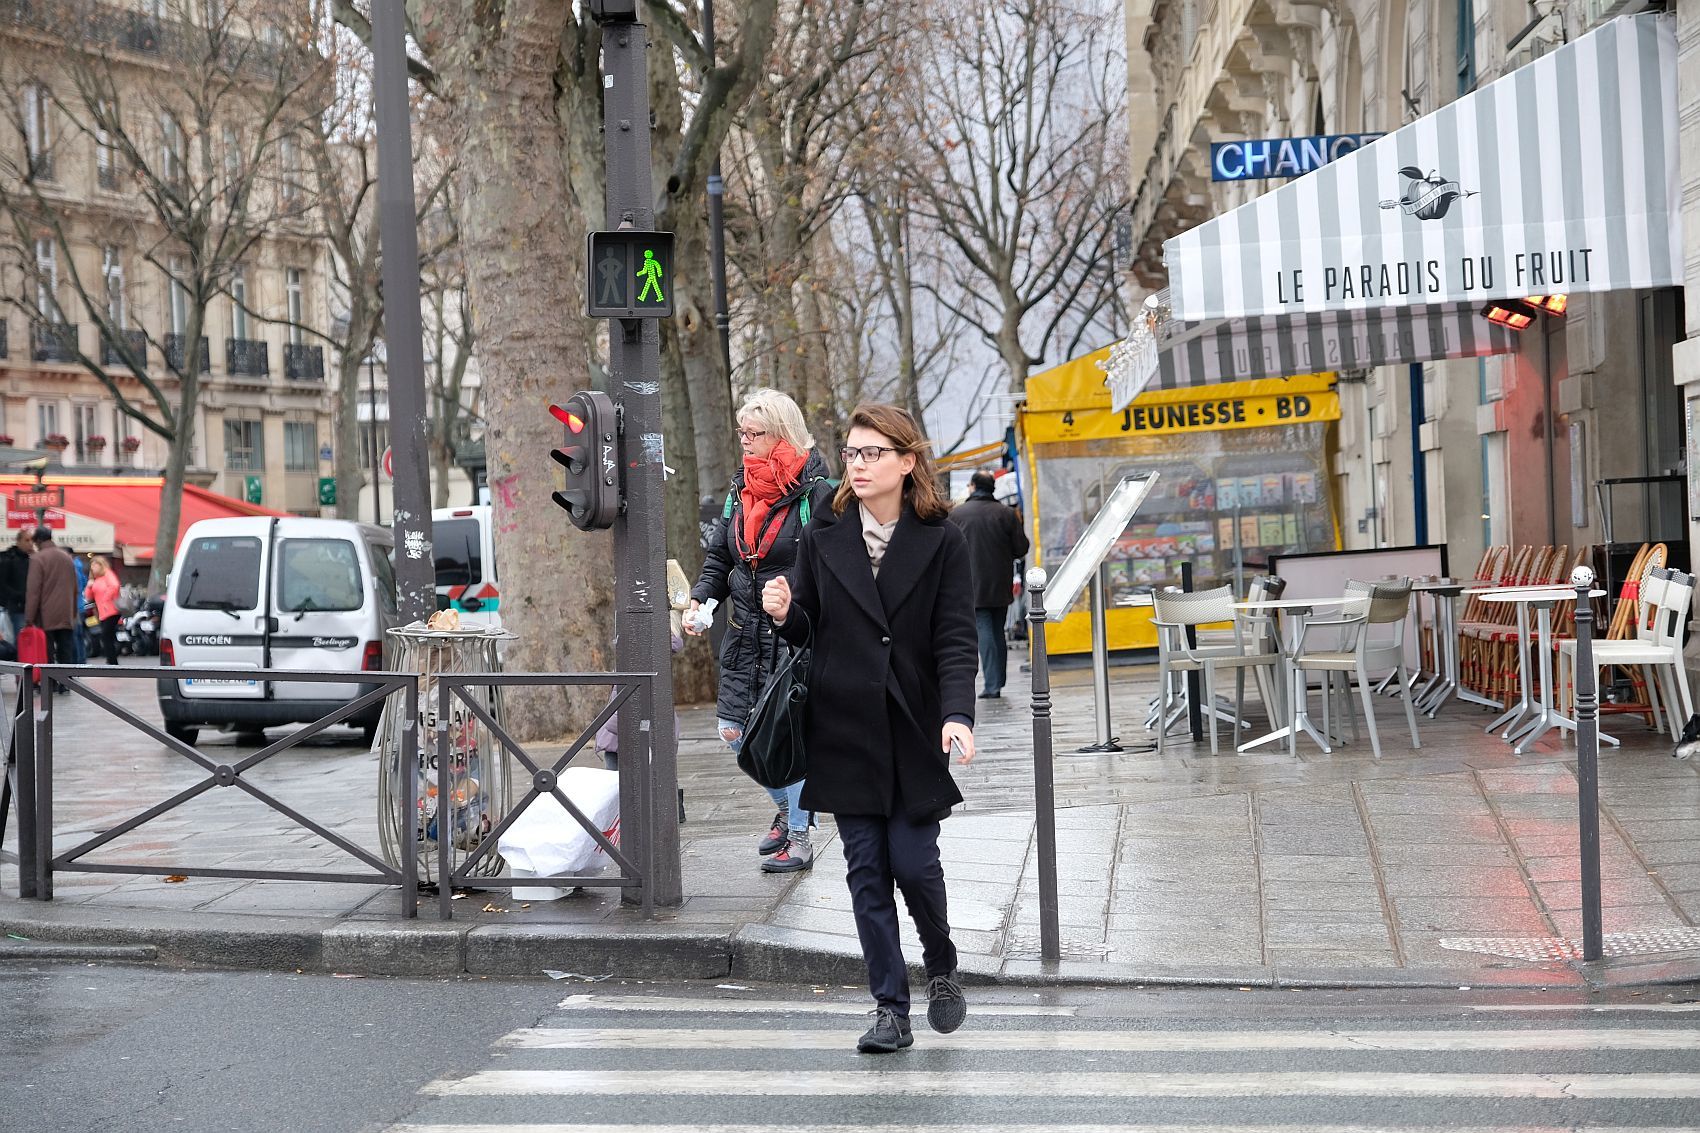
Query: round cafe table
1295, 612
1535, 714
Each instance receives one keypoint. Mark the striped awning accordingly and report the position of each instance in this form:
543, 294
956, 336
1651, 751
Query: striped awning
1559, 178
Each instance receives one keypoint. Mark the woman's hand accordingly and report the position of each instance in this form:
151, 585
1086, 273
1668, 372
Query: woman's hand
690, 619
963, 736
776, 599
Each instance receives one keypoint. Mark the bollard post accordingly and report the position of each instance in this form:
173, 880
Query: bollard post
1588, 764
23, 750
1044, 791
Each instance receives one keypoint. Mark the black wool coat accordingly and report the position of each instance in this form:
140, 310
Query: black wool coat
892, 660
995, 540
749, 649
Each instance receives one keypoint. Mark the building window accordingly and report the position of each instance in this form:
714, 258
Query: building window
173, 153
105, 153
288, 159
301, 446
232, 163
47, 280
46, 420
297, 305
238, 305
1466, 46
244, 446
179, 297
374, 439
38, 130
88, 425
112, 269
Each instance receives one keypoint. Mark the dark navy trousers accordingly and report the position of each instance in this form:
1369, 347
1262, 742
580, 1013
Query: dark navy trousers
882, 852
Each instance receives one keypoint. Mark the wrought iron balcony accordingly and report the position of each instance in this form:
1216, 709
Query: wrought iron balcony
247, 356
53, 342
135, 340
107, 177
41, 167
174, 356
4, 345
303, 362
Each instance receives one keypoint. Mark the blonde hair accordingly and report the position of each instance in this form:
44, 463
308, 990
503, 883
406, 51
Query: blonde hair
779, 415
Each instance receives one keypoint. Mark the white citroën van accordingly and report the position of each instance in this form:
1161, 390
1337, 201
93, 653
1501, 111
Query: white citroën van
257, 593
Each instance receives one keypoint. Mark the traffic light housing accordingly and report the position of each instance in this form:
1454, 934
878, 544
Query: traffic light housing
590, 456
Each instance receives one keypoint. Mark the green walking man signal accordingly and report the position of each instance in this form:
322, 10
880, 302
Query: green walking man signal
629, 275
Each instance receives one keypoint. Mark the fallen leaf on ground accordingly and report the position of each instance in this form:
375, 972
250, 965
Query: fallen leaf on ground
175, 878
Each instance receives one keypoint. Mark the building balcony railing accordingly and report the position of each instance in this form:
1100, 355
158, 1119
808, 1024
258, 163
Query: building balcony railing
174, 356
4, 345
41, 166
53, 342
136, 341
107, 177
247, 356
302, 362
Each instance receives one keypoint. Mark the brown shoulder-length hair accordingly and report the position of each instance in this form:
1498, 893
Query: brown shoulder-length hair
921, 486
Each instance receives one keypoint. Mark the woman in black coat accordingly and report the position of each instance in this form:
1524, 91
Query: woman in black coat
883, 591
781, 482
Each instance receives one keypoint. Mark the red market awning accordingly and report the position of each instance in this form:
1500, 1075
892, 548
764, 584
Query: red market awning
131, 505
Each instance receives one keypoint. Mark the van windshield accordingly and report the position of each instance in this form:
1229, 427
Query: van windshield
221, 574
455, 549
318, 575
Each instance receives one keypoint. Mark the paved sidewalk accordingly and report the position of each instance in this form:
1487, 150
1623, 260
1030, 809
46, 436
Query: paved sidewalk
1453, 864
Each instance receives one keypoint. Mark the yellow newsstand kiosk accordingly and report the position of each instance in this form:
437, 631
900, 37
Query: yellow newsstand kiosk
1243, 472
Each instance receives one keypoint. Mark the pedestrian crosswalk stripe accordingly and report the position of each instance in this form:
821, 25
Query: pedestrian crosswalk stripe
689, 1038
912, 1083
1590, 1008
867, 1127
591, 1002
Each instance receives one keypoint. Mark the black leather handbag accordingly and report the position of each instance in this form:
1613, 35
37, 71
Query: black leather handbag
772, 753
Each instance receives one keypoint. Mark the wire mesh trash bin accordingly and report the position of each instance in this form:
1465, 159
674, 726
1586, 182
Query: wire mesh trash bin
481, 775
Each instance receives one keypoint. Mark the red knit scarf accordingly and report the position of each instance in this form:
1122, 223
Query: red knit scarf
766, 479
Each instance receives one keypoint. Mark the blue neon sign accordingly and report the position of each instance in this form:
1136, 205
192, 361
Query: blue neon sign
1281, 157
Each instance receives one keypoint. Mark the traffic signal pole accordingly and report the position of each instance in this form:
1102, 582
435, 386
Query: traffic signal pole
642, 634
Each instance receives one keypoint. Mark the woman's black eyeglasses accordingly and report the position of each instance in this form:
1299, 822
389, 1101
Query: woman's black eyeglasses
869, 453
751, 434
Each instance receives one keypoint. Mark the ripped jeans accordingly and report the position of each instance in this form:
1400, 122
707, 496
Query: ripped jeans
788, 799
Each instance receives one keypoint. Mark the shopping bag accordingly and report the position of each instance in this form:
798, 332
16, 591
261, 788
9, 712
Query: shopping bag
546, 841
32, 648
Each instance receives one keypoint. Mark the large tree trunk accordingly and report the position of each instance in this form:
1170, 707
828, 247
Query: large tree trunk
350, 478
523, 236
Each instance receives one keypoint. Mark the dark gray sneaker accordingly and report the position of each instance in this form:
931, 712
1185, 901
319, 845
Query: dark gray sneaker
946, 1008
889, 1034
776, 835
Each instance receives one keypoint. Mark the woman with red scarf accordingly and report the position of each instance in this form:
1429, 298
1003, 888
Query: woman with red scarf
780, 486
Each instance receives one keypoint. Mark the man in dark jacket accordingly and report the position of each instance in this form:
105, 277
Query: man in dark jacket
995, 541
15, 578
51, 600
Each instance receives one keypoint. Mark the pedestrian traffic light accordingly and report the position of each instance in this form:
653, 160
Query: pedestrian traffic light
629, 274
592, 492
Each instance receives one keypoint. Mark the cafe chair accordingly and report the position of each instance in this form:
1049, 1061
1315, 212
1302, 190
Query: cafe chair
1359, 653
1178, 611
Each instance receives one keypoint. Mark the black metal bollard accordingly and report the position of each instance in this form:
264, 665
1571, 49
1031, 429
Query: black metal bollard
1044, 789
1588, 764
1195, 706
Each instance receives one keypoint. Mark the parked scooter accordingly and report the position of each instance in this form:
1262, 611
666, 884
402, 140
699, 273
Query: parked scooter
142, 628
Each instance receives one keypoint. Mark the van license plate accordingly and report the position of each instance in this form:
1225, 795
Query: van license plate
210, 681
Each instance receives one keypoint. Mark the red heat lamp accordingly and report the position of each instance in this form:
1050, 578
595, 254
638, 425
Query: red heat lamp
1513, 313
1551, 304
568, 418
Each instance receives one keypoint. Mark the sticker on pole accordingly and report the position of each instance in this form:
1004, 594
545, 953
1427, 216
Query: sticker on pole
629, 275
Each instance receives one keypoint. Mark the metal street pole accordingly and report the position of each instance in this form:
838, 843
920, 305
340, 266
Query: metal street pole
1588, 765
372, 413
1044, 790
643, 640
404, 356
717, 218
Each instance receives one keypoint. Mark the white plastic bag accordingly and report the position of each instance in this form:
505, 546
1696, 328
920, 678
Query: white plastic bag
546, 841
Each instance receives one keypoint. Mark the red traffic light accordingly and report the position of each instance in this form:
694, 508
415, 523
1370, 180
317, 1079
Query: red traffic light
568, 418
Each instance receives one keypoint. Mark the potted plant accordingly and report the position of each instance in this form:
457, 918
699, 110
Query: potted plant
59, 442
131, 444
95, 443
